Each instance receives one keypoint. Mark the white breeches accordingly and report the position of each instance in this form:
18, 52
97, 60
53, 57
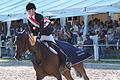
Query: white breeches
47, 38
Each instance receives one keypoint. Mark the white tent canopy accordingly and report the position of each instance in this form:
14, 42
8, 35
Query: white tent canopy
73, 14
105, 3
16, 8
105, 9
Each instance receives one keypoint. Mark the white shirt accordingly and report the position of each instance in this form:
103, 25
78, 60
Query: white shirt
75, 31
47, 38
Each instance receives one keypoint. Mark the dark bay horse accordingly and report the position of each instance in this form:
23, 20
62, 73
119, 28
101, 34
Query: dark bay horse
45, 62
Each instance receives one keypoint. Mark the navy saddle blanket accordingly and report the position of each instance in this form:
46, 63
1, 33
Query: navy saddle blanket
75, 55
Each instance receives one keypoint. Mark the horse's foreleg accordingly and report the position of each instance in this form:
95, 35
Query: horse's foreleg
57, 75
80, 68
53, 70
39, 72
38, 78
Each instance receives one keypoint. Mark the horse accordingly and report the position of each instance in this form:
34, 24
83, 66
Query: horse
44, 61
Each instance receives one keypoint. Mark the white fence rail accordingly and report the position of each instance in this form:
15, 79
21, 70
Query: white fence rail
95, 47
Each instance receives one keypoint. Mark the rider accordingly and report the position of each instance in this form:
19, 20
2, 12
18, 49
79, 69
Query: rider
41, 25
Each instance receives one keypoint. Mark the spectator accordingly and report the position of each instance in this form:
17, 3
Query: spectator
101, 37
61, 35
56, 29
110, 35
102, 42
89, 42
69, 32
91, 29
97, 26
82, 27
116, 36
116, 24
8, 46
75, 33
109, 23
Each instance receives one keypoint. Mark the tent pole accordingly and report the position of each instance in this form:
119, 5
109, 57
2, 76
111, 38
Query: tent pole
9, 40
8, 28
62, 21
0, 45
85, 30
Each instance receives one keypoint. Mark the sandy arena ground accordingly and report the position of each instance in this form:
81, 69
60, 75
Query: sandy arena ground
16, 70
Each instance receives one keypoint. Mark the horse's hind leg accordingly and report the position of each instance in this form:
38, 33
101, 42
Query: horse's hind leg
78, 73
80, 68
66, 73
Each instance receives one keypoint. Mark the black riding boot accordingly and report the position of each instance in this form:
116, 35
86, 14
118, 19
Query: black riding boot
66, 61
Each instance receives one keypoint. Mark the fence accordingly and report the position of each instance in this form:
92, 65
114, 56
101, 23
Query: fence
7, 52
107, 51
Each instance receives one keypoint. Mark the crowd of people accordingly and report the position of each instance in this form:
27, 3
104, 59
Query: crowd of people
69, 32
108, 31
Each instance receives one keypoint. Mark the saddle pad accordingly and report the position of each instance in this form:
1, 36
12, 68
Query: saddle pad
75, 55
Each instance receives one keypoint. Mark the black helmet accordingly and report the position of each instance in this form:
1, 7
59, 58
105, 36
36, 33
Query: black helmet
30, 6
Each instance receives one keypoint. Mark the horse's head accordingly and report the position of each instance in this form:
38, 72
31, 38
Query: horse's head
21, 42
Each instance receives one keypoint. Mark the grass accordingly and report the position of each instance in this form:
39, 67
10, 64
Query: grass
7, 59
